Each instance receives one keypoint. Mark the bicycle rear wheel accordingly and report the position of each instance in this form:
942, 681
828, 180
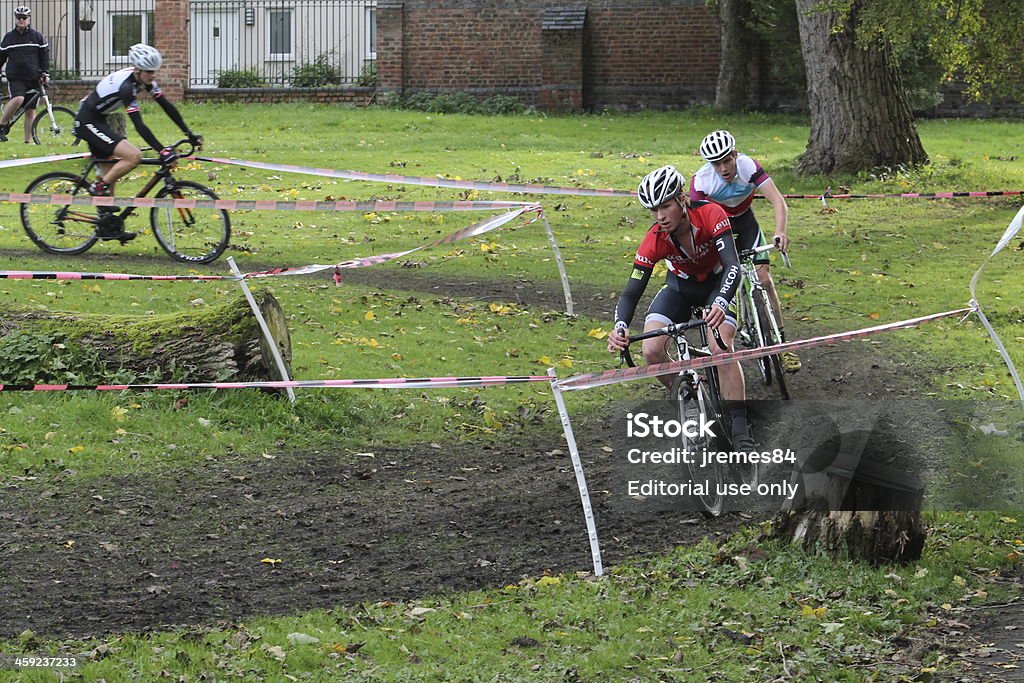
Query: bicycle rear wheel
63, 229
58, 133
694, 402
190, 235
751, 334
770, 332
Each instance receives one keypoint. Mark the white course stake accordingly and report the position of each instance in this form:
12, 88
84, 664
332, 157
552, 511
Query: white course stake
561, 264
263, 326
581, 479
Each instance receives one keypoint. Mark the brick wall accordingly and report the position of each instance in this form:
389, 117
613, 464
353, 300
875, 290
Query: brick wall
626, 55
173, 46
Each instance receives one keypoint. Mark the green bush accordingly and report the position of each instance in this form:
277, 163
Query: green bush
462, 103
368, 76
502, 104
240, 78
316, 74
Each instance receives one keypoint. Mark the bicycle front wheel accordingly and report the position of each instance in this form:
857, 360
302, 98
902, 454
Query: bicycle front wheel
770, 332
190, 235
64, 229
56, 132
694, 401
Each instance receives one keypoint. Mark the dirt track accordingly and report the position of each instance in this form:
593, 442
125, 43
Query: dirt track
188, 547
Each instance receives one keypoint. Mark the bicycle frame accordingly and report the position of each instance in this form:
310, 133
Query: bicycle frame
161, 173
757, 325
698, 397
30, 101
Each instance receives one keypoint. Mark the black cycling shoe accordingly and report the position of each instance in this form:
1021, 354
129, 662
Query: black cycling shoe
123, 237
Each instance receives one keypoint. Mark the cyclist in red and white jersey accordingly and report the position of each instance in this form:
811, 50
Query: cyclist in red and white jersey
695, 240
730, 179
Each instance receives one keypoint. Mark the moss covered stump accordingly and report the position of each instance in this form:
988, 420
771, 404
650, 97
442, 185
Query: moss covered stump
207, 343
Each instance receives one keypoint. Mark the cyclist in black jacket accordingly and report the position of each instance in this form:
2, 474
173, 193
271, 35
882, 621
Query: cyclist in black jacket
27, 55
120, 90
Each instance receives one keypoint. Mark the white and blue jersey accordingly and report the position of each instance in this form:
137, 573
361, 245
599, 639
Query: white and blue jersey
734, 196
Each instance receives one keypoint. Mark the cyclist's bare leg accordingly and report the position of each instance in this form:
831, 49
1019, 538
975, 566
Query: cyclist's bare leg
656, 350
30, 116
9, 109
729, 374
764, 274
128, 157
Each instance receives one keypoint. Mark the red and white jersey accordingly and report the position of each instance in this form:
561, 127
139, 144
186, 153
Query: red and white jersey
734, 196
707, 222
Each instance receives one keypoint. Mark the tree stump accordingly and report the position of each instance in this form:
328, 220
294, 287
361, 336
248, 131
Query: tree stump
219, 342
852, 504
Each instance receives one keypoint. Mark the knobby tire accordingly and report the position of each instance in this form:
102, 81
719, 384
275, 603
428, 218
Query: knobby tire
67, 229
190, 235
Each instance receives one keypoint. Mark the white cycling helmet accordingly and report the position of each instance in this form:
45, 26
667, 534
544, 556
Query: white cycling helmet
717, 145
659, 186
144, 57
22, 11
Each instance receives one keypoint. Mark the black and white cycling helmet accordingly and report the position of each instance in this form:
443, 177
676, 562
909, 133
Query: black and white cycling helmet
659, 186
144, 57
717, 145
22, 11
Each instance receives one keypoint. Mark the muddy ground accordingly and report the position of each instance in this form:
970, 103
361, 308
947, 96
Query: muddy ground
135, 553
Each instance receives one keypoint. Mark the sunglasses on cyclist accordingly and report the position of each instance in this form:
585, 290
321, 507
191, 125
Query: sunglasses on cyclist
21, 16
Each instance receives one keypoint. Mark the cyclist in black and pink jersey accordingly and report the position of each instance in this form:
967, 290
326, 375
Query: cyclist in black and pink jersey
695, 240
730, 179
121, 90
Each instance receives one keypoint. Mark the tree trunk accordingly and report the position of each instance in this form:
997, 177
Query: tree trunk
733, 91
854, 506
860, 116
204, 344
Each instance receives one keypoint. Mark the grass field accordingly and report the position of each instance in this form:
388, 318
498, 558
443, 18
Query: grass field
727, 609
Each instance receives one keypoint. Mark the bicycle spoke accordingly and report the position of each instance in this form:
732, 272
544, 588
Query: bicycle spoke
190, 235
58, 229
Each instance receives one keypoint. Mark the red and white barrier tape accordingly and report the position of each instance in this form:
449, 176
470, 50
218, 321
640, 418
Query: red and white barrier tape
473, 230
598, 379
255, 204
470, 231
419, 180
13, 163
390, 383
904, 195
57, 275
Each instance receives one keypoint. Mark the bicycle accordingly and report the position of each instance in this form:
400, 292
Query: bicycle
53, 125
697, 394
757, 324
188, 235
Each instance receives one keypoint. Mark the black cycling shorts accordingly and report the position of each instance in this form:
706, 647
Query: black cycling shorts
18, 88
677, 299
98, 135
748, 234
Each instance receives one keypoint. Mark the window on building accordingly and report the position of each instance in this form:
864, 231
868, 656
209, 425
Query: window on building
127, 30
371, 32
280, 34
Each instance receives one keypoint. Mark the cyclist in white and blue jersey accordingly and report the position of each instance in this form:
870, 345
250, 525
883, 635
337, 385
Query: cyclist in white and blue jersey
730, 179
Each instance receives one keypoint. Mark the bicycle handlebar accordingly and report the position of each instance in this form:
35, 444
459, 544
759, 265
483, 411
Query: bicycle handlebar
157, 161
754, 251
673, 330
